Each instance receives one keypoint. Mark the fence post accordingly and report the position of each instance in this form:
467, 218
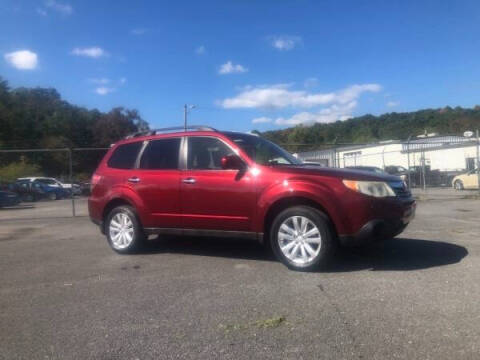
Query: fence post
70, 180
478, 160
408, 162
423, 169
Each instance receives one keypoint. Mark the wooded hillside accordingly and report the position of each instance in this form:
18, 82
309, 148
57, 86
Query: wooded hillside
370, 128
39, 118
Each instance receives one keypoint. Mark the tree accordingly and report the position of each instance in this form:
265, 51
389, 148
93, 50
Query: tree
39, 118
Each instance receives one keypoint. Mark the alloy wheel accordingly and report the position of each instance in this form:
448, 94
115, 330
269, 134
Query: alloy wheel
121, 231
299, 239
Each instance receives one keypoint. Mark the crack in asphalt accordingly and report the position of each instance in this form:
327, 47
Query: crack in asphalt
343, 319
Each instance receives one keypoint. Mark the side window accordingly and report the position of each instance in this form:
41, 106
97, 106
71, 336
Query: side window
161, 154
124, 156
205, 153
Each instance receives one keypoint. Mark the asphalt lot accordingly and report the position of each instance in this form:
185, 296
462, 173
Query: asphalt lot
65, 295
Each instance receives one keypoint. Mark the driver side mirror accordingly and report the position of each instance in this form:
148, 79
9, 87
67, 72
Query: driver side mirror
232, 162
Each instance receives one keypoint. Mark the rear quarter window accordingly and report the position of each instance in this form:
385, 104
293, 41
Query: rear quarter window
124, 156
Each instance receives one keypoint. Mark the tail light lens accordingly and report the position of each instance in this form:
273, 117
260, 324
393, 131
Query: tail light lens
95, 179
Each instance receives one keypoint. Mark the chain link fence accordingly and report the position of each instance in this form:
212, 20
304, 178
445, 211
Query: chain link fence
62, 176
422, 163
46, 182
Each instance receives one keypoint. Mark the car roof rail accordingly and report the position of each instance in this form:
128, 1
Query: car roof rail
171, 129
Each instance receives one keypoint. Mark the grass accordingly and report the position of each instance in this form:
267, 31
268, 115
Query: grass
270, 323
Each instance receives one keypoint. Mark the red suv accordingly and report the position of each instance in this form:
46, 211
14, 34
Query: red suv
200, 181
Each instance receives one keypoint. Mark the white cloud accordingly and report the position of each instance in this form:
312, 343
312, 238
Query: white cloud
326, 115
62, 8
92, 52
100, 81
392, 103
230, 68
102, 90
261, 120
281, 96
285, 43
107, 86
22, 59
201, 50
138, 31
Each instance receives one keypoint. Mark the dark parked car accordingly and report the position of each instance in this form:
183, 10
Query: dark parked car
35, 190
8, 198
206, 182
399, 171
26, 191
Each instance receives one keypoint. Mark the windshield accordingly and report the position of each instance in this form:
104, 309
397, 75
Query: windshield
262, 151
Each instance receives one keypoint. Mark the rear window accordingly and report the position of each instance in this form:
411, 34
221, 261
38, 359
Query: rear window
124, 156
161, 154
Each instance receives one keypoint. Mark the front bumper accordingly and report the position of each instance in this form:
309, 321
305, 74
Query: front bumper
379, 229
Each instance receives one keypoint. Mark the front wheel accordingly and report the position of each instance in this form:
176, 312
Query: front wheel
124, 232
301, 238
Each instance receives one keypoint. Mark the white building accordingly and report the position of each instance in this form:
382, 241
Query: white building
443, 153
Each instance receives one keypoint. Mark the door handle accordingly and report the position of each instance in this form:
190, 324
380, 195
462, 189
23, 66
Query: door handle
189, 181
134, 179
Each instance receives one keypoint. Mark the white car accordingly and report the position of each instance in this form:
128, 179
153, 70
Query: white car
468, 180
53, 182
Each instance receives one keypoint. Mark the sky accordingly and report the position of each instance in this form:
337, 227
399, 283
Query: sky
247, 64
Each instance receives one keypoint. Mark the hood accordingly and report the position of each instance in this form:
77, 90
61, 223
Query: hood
349, 174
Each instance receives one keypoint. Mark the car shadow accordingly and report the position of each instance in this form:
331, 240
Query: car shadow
399, 254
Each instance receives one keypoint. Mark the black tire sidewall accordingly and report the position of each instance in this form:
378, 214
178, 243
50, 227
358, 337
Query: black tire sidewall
138, 237
460, 185
323, 225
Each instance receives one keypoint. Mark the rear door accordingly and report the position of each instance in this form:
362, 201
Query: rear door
213, 198
157, 181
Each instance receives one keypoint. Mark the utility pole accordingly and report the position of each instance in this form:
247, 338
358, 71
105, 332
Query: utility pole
186, 108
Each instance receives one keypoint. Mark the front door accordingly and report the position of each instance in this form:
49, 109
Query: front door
213, 198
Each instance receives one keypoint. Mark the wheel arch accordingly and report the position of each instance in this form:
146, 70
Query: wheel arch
283, 203
112, 204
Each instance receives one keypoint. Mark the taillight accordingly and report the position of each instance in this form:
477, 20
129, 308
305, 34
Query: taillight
95, 179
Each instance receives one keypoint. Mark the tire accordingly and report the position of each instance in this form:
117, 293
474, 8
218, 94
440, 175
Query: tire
458, 185
133, 238
302, 253
52, 196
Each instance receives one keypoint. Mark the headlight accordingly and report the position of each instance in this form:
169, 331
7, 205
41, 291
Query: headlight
371, 188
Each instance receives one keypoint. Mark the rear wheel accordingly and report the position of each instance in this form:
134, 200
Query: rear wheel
124, 232
458, 185
301, 238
